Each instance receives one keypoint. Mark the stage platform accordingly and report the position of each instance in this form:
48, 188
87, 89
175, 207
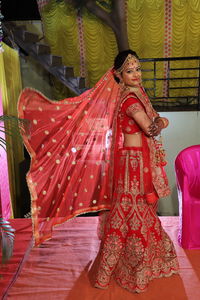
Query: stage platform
64, 267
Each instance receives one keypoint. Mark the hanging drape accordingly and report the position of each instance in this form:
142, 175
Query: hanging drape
5, 204
146, 33
10, 83
156, 28
185, 39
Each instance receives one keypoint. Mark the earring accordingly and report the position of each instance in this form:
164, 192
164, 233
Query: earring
121, 84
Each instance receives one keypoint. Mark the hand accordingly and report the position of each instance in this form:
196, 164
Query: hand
154, 129
162, 122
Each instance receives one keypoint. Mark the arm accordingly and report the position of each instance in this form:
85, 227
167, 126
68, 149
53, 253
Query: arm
143, 121
162, 122
136, 111
158, 124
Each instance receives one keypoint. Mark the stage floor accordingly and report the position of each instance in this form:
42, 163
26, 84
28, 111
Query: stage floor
64, 268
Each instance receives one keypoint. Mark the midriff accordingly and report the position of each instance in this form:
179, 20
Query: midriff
133, 140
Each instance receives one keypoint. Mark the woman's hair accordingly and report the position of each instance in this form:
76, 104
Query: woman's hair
120, 58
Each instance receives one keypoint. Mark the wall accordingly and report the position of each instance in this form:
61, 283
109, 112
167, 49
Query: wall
35, 76
182, 132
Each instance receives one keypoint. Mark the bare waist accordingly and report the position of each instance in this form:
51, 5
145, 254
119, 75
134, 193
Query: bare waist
133, 140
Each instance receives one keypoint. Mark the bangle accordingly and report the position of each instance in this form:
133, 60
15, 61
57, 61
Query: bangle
165, 122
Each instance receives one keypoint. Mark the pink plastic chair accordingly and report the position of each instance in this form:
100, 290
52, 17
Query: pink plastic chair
187, 167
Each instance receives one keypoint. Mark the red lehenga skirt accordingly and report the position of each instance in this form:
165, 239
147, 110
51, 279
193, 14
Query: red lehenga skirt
135, 248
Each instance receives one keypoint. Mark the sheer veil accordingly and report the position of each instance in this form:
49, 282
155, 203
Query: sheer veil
71, 149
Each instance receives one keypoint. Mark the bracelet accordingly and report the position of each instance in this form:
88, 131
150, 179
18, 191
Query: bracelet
165, 122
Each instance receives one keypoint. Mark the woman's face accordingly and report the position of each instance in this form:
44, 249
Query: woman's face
131, 75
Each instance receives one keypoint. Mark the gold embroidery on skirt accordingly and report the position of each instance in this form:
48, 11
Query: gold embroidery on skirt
136, 249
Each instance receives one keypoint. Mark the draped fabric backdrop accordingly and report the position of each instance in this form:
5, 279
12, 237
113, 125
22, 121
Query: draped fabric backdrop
156, 28
185, 39
10, 83
5, 205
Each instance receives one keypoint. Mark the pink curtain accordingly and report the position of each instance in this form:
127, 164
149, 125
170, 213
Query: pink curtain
187, 167
5, 207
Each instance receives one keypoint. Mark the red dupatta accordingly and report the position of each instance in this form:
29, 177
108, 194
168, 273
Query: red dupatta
73, 144
70, 148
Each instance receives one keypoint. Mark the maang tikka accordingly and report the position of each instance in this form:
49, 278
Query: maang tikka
128, 63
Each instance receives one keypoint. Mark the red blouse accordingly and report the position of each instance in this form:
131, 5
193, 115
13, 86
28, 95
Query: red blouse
130, 106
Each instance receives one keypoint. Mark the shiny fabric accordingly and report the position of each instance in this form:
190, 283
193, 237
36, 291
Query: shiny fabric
5, 207
135, 248
11, 85
187, 167
59, 269
70, 147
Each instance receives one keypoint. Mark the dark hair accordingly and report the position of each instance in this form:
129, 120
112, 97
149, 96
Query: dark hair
120, 58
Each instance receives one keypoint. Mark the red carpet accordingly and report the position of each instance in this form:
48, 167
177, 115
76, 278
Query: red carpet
64, 268
22, 246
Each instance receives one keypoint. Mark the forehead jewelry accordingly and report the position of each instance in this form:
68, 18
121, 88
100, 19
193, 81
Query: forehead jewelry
128, 63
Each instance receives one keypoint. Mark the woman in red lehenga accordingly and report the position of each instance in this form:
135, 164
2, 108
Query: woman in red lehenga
95, 152
135, 247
